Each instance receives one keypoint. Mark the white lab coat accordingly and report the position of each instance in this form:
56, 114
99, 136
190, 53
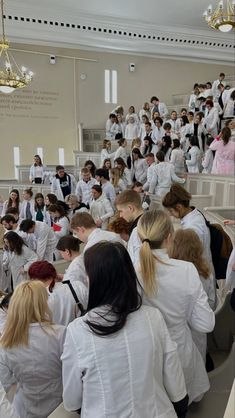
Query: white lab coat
109, 191
5, 207
121, 153
37, 370
15, 262
23, 208
72, 272
193, 102
194, 163
157, 135
196, 221
177, 159
183, 302
163, 111
143, 112
131, 131
104, 155
189, 129
62, 303
6, 409
228, 111
162, 179
101, 209
83, 190
175, 125
46, 241
207, 161
46, 216
38, 171
215, 91
56, 189
132, 373
150, 174
132, 115
63, 223
126, 177
230, 273
211, 121
139, 170
120, 186
133, 247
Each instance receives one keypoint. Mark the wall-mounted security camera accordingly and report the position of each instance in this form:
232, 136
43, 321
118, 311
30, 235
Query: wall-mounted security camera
132, 67
52, 59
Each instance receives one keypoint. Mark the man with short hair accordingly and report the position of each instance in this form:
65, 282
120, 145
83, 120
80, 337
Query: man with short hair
45, 238
10, 223
150, 160
102, 177
62, 184
100, 207
215, 84
84, 186
129, 205
159, 107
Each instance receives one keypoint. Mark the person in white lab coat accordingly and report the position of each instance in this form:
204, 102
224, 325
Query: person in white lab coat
159, 107
132, 114
124, 171
75, 205
186, 245
211, 120
108, 127
195, 128
83, 188
132, 129
37, 170
138, 167
193, 103
177, 157
30, 352
27, 205
40, 211
66, 300
105, 153
100, 207
150, 160
158, 132
163, 176
215, 91
174, 122
60, 220
145, 111
63, 183
129, 206
45, 238
194, 162
69, 250
121, 150
116, 180
12, 202
106, 370
102, 178
175, 288
177, 202
207, 161
17, 257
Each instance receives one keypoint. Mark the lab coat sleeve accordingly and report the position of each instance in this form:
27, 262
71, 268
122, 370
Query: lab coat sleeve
214, 145
6, 374
144, 172
31, 174
6, 409
54, 185
207, 159
173, 377
78, 191
128, 175
73, 184
175, 178
193, 159
31, 257
122, 185
214, 120
42, 243
164, 110
153, 182
200, 316
64, 229
108, 209
71, 374
6, 260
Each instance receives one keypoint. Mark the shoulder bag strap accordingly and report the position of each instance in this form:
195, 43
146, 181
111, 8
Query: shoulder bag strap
79, 305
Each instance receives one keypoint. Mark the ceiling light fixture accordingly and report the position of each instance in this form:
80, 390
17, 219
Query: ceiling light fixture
12, 77
223, 16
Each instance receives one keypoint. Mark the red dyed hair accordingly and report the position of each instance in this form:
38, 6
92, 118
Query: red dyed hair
42, 270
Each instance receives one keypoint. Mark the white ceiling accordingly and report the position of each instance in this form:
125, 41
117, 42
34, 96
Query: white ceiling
160, 18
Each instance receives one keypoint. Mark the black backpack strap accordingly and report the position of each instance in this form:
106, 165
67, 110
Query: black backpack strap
78, 303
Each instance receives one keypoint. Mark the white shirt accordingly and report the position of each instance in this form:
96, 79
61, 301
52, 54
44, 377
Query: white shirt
150, 174
139, 170
195, 159
157, 135
62, 303
101, 209
83, 190
98, 235
104, 155
162, 179
131, 131
183, 303
121, 153
36, 171
15, 262
126, 176
45, 241
36, 369
6, 409
133, 247
177, 159
132, 115
125, 374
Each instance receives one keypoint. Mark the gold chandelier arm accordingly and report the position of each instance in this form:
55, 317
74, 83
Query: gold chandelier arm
3, 25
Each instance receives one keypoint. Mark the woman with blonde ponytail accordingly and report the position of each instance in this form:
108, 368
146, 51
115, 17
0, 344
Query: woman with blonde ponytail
30, 350
175, 288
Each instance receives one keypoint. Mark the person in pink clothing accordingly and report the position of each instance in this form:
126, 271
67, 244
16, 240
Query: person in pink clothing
224, 161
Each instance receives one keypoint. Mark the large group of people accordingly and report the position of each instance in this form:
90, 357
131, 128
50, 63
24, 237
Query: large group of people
124, 329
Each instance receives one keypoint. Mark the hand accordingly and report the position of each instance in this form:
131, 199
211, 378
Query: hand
22, 270
98, 222
233, 267
146, 193
229, 222
60, 277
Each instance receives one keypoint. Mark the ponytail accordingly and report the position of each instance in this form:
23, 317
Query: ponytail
148, 268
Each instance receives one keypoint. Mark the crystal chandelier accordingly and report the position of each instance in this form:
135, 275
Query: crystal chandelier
11, 76
223, 16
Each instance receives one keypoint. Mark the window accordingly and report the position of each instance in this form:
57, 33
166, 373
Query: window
110, 86
16, 156
40, 152
61, 156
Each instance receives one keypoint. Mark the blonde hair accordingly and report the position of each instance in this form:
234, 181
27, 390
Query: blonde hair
186, 245
136, 143
28, 305
106, 143
115, 172
71, 198
153, 228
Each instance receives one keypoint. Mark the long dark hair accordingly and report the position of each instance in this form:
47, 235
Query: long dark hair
148, 148
40, 160
93, 167
36, 205
113, 282
15, 242
166, 143
137, 152
9, 203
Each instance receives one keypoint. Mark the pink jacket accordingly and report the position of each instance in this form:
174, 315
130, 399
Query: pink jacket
224, 161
